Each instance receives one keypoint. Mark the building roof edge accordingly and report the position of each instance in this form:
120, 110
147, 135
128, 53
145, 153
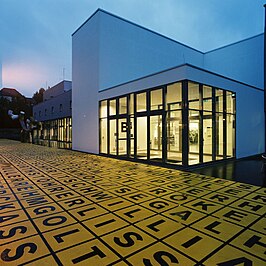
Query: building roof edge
139, 26
246, 39
179, 66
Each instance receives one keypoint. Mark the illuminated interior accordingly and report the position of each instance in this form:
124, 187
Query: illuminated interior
54, 133
184, 123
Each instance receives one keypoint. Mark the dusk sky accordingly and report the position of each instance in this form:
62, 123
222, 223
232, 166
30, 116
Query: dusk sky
35, 43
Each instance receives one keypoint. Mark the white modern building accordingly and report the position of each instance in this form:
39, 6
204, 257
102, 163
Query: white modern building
54, 117
142, 96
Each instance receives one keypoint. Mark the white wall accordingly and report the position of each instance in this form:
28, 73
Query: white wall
242, 61
58, 89
85, 64
54, 103
250, 123
170, 76
128, 52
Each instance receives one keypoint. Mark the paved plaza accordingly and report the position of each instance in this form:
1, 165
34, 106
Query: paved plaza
60, 207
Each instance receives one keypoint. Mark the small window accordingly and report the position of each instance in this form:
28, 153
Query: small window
103, 109
131, 106
141, 102
174, 96
52, 110
219, 101
112, 107
156, 99
61, 107
123, 105
193, 95
45, 112
40, 113
207, 98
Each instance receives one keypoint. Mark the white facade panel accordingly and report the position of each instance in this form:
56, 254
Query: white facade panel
250, 138
128, 52
56, 90
85, 65
54, 108
242, 61
148, 82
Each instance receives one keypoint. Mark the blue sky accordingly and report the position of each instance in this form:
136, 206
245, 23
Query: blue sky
35, 43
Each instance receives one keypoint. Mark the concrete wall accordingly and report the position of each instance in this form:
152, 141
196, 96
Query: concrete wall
85, 83
242, 61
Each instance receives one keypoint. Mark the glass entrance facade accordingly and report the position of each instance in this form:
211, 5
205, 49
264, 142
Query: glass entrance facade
184, 123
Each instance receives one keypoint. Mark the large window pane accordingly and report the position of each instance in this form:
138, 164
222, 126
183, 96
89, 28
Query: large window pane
174, 137
174, 96
113, 136
193, 95
207, 98
122, 136
141, 102
70, 128
123, 105
112, 107
219, 137
103, 109
230, 102
156, 99
142, 137
230, 134
67, 129
219, 100
207, 136
103, 125
156, 137
193, 137
131, 107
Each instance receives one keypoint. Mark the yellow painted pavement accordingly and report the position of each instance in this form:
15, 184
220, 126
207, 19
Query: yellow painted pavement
60, 207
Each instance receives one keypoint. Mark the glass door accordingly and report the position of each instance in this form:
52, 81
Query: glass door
174, 137
113, 137
207, 137
156, 137
122, 136
193, 137
141, 140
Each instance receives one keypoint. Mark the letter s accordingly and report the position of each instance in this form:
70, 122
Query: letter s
158, 257
130, 242
19, 252
12, 231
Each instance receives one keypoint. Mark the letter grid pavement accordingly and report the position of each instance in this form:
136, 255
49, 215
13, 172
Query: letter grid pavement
61, 207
